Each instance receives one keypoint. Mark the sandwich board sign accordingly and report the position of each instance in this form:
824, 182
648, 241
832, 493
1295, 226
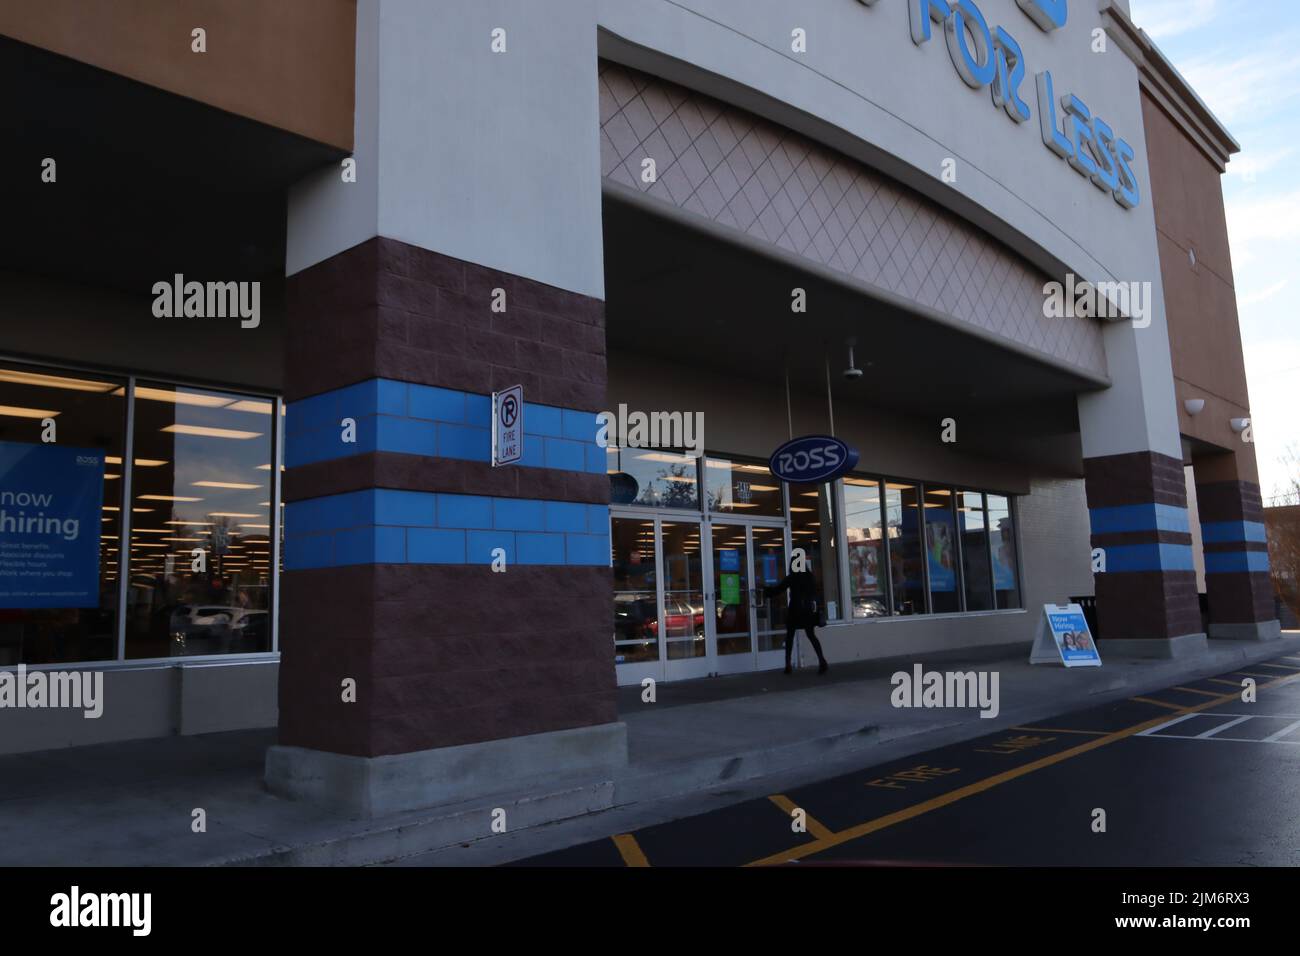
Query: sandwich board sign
1063, 638
508, 426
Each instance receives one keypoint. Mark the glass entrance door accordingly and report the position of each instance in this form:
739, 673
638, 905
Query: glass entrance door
681, 616
689, 598
747, 626
635, 566
770, 553
659, 590
732, 634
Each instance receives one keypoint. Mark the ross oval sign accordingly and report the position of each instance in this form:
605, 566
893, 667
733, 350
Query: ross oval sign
812, 460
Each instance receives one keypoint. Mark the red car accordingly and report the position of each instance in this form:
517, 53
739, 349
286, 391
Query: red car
680, 619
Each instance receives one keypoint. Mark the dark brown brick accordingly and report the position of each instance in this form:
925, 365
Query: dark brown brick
519, 322
466, 374
435, 335
461, 309
443, 655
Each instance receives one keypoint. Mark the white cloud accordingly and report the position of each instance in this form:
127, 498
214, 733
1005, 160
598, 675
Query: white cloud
1250, 163
1271, 371
1276, 219
1263, 295
1167, 18
1253, 85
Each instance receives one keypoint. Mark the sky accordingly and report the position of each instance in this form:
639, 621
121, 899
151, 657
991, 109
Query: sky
1243, 58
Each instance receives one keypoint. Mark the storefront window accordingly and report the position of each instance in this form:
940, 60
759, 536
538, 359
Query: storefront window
742, 488
903, 511
632, 541
973, 528
61, 443
941, 551
864, 530
812, 528
1002, 529
200, 557
657, 479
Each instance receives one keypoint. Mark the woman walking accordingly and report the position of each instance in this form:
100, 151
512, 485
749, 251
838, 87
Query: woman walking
801, 611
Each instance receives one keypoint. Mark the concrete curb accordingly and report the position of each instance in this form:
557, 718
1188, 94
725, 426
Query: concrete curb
416, 832
454, 825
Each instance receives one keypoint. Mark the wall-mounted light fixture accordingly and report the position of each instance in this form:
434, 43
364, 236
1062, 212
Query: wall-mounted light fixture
1194, 406
1239, 424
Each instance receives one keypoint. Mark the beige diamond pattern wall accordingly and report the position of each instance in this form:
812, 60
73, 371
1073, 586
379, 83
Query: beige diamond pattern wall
782, 187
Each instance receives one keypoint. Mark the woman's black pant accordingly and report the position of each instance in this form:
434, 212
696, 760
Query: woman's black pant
809, 627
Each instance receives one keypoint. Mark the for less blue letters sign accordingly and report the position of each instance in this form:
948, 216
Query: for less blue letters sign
986, 55
50, 501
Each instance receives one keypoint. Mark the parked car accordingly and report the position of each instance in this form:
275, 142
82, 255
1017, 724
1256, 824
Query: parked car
216, 629
680, 620
201, 615
251, 632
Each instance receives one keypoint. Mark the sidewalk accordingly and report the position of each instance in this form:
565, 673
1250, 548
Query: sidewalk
130, 804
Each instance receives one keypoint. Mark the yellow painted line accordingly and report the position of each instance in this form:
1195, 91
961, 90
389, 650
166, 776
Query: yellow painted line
1289, 667
1220, 680
1159, 703
1249, 674
1057, 730
1290, 657
815, 829
630, 850
1203, 693
980, 786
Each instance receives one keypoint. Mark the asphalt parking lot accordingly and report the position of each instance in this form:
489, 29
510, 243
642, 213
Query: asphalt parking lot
1190, 775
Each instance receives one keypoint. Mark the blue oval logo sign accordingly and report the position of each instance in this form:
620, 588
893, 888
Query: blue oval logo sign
812, 460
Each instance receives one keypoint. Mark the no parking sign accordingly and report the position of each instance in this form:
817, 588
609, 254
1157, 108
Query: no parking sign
508, 426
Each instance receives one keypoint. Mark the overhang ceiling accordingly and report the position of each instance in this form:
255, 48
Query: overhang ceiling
148, 183
680, 295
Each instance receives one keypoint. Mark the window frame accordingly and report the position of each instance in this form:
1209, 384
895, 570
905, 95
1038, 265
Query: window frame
955, 489
128, 474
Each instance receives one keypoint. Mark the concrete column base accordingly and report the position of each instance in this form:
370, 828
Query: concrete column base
1256, 631
1183, 646
376, 786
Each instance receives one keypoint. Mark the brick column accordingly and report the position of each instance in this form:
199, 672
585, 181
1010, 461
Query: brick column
1146, 598
1238, 586
477, 678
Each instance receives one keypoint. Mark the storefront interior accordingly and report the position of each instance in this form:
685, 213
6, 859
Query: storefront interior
921, 527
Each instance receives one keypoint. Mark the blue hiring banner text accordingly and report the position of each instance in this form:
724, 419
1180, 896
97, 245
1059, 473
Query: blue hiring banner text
50, 502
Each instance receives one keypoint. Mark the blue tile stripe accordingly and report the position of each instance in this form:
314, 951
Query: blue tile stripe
1232, 532
387, 526
1236, 562
1142, 517
1149, 557
414, 419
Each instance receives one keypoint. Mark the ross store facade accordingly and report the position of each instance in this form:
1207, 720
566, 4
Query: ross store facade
844, 220
703, 539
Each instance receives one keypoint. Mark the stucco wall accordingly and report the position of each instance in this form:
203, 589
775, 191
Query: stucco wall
154, 701
288, 63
